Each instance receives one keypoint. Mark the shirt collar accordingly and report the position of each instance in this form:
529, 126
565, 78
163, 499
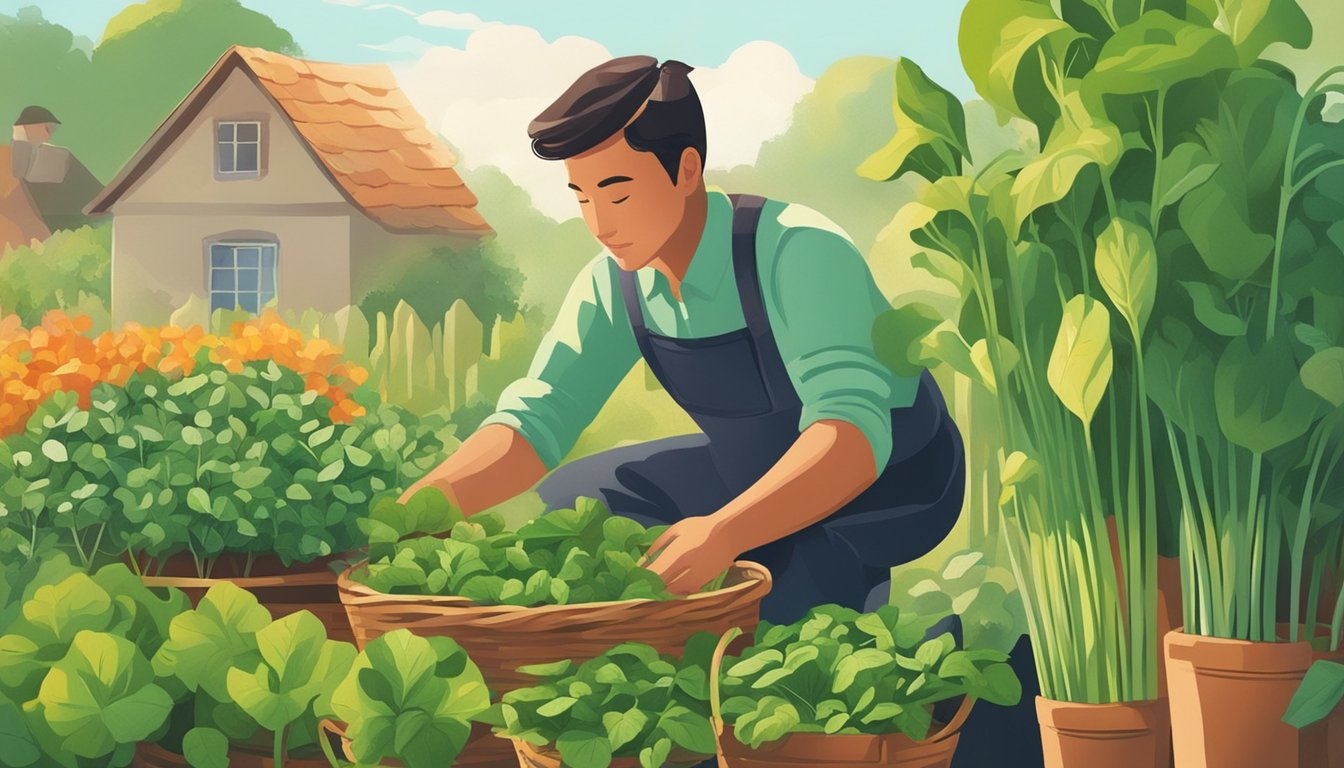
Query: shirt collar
709, 264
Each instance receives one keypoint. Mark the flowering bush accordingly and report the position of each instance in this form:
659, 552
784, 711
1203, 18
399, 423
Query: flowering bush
57, 355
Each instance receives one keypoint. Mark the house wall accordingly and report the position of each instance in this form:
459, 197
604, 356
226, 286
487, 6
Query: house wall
163, 221
374, 251
159, 262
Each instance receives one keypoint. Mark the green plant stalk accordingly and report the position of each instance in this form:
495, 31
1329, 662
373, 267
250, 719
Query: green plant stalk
278, 747
1299, 549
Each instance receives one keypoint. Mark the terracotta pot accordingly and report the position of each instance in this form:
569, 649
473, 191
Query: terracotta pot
1121, 735
1227, 703
306, 586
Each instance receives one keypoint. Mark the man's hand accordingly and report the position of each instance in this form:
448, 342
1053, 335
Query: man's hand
693, 552
426, 482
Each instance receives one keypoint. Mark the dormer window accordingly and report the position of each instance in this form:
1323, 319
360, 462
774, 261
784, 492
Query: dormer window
238, 149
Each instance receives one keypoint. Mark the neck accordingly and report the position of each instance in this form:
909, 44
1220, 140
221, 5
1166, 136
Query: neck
674, 258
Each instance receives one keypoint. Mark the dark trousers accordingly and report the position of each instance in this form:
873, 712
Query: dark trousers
902, 516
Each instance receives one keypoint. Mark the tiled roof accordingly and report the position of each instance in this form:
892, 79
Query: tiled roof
362, 130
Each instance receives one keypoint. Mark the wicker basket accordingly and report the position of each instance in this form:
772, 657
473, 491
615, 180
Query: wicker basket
310, 587
819, 750
500, 639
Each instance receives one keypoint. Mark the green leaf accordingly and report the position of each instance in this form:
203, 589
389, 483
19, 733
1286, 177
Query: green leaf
1254, 25
1081, 138
1319, 694
1260, 398
999, 42
582, 749
688, 730
18, 746
656, 755
198, 500
1188, 166
1127, 269
624, 727
1212, 311
220, 633
556, 707
930, 130
55, 451
206, 748
1157, 52
858, 661
331, 471
1323, 373
1080, 363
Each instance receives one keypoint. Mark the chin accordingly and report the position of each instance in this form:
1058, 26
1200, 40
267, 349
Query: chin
627, 261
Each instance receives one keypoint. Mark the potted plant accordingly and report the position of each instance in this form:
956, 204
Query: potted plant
247, 690
1245, 370
564, 586
1183, 258
850, 689
630, 706
407, 701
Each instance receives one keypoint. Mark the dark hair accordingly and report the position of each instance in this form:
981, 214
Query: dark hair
604, 99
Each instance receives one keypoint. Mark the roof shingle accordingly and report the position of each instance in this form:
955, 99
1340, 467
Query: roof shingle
362, 130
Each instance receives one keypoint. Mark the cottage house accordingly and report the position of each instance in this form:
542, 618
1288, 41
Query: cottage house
279, 178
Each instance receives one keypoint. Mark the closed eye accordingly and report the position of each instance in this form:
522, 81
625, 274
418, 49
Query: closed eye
622, 200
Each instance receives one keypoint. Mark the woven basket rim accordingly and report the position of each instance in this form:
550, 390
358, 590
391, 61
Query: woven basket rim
755, 577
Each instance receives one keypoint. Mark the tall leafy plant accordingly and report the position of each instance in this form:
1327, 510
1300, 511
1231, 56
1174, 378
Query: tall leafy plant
1121, 290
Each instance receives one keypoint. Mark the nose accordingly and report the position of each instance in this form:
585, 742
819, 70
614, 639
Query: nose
604, 225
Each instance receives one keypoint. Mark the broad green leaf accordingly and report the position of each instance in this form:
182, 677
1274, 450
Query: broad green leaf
1127, 268
624, 727
1323, 373
773, 719
1157, 52
999, 42
1254, 25
1188, 166
656, 755
1082, 138
930, 130
583, 749
220, 633
850, 666
1319, 694
1080, 363
688, 730
55, 451
1260, 398
206, 748
1212, 311
946, 344
17, 744
255, 693
898, 337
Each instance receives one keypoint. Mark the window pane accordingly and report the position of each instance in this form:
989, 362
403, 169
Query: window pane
267, 277
226, 300
247, 279
247, 132
248, 257
225, 132
268, 257
225, 157
248, 301
247, 158
221, 280
267, 297
221, 256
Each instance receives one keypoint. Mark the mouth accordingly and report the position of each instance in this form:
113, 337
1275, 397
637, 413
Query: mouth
616, 245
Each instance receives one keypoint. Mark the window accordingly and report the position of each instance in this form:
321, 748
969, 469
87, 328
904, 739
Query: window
238, 149
242, 275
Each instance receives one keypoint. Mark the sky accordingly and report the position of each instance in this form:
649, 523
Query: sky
478, 70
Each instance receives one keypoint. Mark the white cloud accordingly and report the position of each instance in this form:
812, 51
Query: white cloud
452, 20
482, 96
345, 2
406, 46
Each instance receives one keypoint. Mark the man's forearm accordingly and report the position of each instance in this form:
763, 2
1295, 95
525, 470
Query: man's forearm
830, 463
492, 466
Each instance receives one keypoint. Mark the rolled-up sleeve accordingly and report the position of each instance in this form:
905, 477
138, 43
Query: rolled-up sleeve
825, 303
581, 359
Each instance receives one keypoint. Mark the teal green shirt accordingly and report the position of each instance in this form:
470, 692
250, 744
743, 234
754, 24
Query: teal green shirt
820, 298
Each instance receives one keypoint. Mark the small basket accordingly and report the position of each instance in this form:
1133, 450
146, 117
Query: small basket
841, 750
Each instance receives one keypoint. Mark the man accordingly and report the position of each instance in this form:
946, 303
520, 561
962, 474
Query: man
815, 460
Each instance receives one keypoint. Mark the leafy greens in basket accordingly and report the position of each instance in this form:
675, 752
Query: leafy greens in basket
629, 702
839, 671
563, 557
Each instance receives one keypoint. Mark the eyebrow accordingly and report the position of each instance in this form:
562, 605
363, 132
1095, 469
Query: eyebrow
604, 183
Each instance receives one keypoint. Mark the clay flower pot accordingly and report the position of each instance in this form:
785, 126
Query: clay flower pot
1122, 735
1227, 703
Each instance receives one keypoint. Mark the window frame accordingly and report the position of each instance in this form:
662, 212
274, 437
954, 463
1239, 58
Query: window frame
235, 240
263, 144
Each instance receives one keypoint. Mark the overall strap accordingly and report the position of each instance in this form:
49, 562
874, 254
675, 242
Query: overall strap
746, 218
634, 308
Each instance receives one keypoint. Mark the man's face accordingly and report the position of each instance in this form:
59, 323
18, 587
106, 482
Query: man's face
628, 201
41, 132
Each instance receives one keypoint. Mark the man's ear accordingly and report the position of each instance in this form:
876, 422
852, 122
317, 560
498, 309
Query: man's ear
689, 170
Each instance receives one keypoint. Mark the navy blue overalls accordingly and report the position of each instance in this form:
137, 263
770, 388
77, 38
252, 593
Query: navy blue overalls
737, 390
